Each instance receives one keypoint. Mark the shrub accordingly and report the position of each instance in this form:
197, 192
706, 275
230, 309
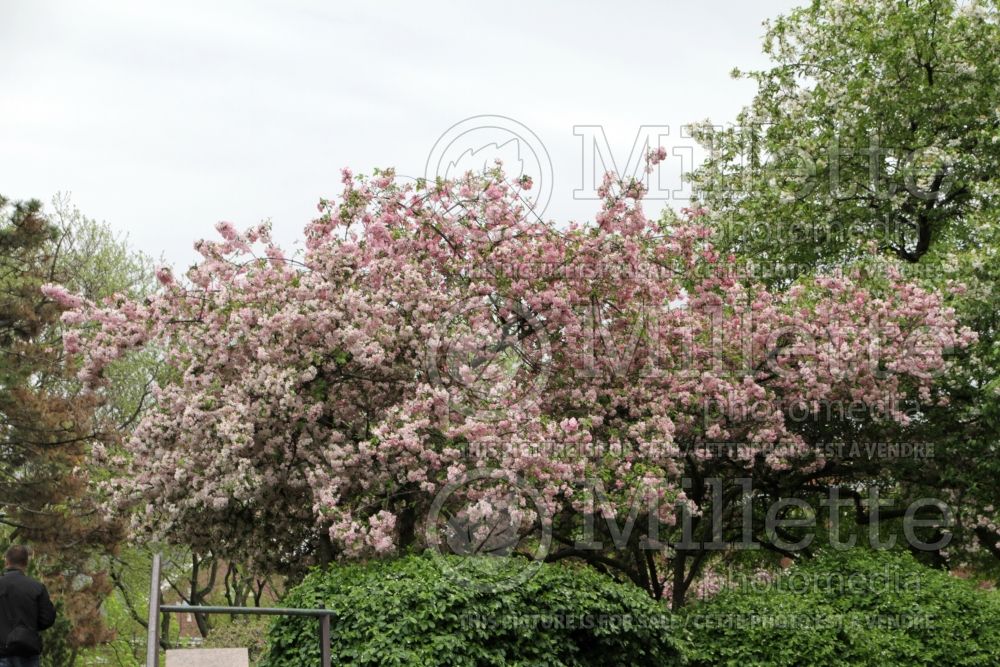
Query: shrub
414, 611
855, 607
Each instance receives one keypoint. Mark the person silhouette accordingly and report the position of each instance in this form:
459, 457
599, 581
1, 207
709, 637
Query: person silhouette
25, 610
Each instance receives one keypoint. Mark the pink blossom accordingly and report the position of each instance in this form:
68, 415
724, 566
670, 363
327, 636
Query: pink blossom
62, 296
165, 276
227, 230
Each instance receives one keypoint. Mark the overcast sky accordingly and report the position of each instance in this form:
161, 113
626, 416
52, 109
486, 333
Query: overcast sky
163, 118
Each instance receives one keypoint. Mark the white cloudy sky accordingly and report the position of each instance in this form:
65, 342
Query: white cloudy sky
162, 118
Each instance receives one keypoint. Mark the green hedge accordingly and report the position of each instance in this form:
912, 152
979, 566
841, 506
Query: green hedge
414, 611
855, 607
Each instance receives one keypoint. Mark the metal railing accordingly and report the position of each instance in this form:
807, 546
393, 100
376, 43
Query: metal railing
155, 609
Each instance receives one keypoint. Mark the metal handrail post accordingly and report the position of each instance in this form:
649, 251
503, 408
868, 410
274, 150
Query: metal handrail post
324, 640
153, 628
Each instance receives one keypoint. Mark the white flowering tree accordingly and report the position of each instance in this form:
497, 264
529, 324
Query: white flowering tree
878, 125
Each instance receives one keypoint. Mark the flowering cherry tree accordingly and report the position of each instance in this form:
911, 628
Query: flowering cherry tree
436, 345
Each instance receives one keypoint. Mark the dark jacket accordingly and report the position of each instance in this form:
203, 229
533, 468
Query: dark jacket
23, 601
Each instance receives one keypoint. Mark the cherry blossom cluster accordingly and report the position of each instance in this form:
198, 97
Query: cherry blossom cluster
323, 399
